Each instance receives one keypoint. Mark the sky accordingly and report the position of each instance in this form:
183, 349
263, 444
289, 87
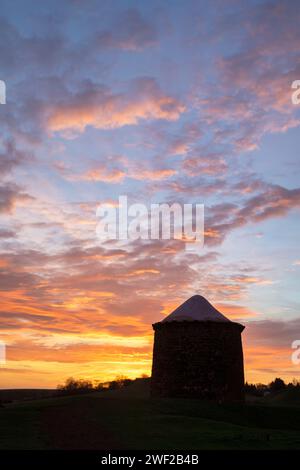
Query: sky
162, 101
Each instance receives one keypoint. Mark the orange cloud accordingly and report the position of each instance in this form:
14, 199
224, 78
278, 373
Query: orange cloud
235, 312
101, 109
102, 174
115, 176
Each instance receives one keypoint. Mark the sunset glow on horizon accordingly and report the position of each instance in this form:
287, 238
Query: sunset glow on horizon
164, 102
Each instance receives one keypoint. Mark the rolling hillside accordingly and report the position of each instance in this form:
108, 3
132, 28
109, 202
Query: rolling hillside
129, 419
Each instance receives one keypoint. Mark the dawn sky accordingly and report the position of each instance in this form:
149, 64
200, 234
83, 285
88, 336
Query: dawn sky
162, 101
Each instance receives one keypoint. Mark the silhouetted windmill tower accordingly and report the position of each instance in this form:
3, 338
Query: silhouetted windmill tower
198, 353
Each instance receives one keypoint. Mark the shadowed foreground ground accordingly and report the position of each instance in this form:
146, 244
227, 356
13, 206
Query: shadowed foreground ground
129, 419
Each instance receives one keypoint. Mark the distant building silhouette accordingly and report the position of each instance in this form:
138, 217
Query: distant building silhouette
198, 353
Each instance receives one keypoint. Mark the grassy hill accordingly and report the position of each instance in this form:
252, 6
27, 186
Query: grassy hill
287, 397
20, 394
129, 419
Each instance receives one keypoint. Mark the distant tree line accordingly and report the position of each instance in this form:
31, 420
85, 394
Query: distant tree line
78, 386
277, 385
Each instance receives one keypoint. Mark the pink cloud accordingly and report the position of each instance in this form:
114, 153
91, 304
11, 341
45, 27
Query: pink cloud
100, 108
130, 32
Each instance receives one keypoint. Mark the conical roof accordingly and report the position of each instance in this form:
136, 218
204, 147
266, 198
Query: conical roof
197, 308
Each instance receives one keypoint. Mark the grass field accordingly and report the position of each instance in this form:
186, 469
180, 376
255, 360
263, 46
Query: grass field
129, 419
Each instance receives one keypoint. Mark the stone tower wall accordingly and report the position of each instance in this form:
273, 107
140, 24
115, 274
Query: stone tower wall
199, 360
